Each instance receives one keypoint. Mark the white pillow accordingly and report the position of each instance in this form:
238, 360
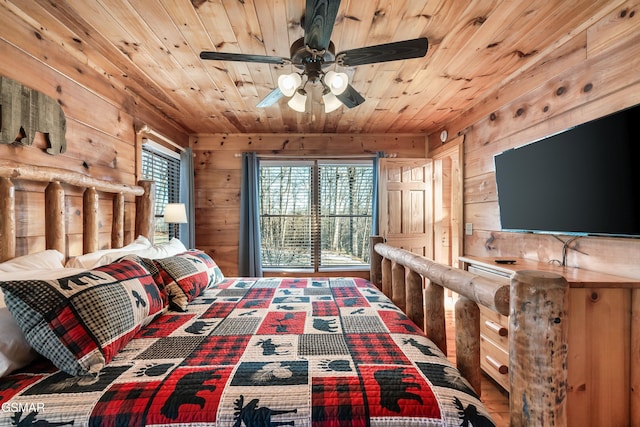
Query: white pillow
43, 260
90, 260
15, 351
162, 250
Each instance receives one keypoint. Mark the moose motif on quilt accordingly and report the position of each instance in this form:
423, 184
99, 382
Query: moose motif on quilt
264, 353
253, 416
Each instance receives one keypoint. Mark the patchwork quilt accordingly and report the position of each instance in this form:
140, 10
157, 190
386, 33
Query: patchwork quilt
260, 352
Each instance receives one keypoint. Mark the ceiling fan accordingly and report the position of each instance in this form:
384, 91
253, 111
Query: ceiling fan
315, 51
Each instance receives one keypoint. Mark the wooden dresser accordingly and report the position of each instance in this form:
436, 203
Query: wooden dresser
603, 349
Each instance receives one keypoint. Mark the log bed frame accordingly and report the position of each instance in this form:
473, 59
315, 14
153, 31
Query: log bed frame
538, 379
536, 302
55, 212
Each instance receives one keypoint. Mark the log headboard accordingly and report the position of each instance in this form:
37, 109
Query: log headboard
56, 211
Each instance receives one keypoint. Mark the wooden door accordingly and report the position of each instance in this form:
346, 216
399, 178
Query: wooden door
406, 204
447, 202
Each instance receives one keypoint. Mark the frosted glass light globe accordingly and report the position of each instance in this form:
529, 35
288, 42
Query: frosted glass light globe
288, 83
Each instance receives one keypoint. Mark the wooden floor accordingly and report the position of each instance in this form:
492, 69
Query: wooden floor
496, 400
492, 395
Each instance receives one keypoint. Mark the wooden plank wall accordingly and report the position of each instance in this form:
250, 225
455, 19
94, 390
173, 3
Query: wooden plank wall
218, 165
101, 116
594, 74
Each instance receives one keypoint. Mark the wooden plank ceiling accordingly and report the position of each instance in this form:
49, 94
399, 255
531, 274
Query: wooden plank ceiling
151, 48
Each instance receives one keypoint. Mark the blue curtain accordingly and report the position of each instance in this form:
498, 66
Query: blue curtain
374, 197
249, 262
187, 231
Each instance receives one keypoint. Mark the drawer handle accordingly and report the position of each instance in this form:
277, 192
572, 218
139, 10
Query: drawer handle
498, 329
503, 369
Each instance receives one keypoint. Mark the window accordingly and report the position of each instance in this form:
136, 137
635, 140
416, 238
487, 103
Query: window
162, 166
315, 215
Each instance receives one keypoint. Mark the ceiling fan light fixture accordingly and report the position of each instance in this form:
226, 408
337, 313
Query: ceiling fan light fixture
331, 102
337, 82
299, 101
315, 50
288, 83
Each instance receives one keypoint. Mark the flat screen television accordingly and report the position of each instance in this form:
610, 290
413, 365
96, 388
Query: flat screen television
582, 181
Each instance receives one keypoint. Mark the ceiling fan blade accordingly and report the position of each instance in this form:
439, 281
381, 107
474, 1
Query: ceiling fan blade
407, 49
271, 98
319, 19
241, 57
350, 97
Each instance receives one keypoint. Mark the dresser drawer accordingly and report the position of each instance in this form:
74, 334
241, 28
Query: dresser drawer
490, 274
495, 326
494, 333
494, 360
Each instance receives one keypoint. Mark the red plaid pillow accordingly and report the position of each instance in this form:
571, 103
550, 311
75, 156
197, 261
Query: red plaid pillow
184, 276
80, 322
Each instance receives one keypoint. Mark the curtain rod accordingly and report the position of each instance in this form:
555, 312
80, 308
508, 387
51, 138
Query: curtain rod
349, 156
148, 131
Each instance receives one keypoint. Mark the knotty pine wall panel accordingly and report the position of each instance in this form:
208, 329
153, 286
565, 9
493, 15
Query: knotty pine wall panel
584, 81
101, 118
218, 166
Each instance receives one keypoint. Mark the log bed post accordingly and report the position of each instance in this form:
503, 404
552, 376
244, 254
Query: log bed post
538, 333
376, 262
145, 210
434, 315
415, 298
386, 277
55, 217
7, 219
398, 290
467, 314
117, 227
90, 204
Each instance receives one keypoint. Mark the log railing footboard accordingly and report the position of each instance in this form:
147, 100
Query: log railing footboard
535, 301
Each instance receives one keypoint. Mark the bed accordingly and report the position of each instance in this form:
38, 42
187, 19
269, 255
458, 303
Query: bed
146, 338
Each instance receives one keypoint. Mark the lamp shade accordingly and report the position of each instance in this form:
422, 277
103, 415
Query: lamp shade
337, 82
331, 102
288, 83
175, 213
299, 101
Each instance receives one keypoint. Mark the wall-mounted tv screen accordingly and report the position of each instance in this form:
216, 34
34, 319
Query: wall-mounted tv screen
583, 181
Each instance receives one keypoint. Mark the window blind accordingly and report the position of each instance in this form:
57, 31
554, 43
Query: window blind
286, 212
315, 215
164, 169
345, 213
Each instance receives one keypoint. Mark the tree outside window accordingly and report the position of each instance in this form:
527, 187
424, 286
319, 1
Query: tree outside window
315, 215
